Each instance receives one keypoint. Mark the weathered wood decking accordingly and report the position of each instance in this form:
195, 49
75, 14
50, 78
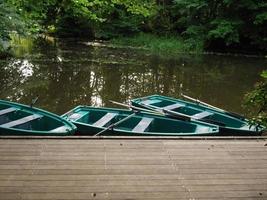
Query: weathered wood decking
133, 169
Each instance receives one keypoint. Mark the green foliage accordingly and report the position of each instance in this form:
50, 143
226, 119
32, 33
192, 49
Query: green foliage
225, 29
201, 23
258, 99
232, 22
10, 23
260, 18
86, 17
124, 17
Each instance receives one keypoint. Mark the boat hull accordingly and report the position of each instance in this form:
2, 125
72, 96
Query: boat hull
229, 124
92, 120
19, 119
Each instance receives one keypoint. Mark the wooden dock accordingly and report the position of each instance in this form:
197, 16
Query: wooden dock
133, 169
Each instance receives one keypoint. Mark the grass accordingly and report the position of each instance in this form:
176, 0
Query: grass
167, 45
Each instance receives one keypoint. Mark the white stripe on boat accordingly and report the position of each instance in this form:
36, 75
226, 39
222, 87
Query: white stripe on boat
105, 119
75, 116
202, 129
21, 121
172, 106
149, 102
60, 129
142, 125
202, 115
8, 110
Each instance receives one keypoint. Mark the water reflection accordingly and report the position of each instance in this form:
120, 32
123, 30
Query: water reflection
66, 74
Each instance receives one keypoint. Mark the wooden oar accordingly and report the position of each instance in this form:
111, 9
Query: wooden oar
169, 112
214, 107
115, 124
161, 112
138, 108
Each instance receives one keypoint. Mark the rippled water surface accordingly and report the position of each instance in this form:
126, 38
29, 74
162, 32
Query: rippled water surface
68, 73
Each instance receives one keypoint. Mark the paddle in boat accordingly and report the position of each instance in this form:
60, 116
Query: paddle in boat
121, 122
19, 119
229, 123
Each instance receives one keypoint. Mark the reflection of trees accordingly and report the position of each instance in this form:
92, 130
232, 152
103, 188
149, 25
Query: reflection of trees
69, 74
111, 84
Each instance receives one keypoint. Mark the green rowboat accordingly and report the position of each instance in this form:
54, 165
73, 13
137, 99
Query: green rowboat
19, 119
120, 122
229, 123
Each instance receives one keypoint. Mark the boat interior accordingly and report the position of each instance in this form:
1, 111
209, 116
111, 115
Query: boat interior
17, 118
138, 123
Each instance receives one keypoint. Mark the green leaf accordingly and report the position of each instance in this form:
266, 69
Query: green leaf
264, 74
225, 29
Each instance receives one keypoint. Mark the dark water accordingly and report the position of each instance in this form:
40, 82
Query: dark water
67, 73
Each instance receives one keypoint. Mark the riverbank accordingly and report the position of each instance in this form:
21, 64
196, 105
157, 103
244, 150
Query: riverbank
166, 45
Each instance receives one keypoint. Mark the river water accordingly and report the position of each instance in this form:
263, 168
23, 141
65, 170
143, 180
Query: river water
68, 73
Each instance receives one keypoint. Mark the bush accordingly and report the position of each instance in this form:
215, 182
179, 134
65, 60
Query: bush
258, 99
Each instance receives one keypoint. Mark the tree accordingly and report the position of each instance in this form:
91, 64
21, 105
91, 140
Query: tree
86, 17
258, 99
10, 22
226, 22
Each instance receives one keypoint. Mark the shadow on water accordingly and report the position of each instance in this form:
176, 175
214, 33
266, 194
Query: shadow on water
67, 73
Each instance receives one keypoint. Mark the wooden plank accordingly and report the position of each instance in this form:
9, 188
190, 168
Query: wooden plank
235, 187
86, 183
65, 195
222, 165
219, 161
86, 167
226, 182
223, 171
90, 189
87, 172
85, 157
45, 177
113, 195
232, 194
244, 176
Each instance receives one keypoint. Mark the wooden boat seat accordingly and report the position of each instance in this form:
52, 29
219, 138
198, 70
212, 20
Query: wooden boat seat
105, 119
142, 125
60, 129
172, 106
7, 110
150, 101
75, 116
21, 121
202, 115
